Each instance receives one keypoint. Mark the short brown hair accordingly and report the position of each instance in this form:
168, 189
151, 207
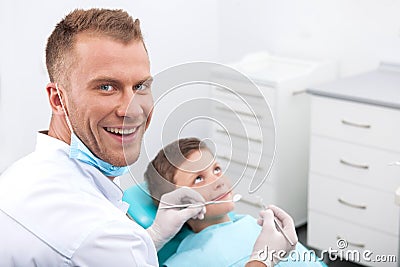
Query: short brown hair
160, 172
116, 24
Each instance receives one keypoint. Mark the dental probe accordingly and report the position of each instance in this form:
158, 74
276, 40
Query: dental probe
235, 198
280, 228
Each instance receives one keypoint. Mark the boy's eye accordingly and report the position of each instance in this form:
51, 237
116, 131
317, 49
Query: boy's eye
106, 87
217, 170
198, 179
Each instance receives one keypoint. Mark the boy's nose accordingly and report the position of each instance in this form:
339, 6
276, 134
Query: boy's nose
219, 183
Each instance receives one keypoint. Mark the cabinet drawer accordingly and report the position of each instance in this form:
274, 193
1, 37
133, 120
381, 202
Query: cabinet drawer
238, 108
236, 170
353, 203
239, 114
354, 163
248, 91
221, 94
324, 231
355, 122
239, 127
249, 158
245, 144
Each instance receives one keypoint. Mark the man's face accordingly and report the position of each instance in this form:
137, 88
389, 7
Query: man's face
109, 97
202, 173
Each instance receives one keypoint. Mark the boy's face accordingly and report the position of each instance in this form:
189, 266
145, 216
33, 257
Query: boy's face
201, 172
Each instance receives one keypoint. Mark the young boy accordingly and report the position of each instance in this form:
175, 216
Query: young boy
219, 239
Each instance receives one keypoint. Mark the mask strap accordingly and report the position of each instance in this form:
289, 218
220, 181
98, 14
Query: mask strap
63, 108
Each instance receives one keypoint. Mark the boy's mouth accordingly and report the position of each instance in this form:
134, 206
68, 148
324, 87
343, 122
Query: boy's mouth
222, 196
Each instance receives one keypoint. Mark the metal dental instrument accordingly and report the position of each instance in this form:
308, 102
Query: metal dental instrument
235, 198
279, 227
281, 230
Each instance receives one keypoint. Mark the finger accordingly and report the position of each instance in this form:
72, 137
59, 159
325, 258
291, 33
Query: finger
285, 219
286, 222
191, 212
267, 217
260, 218
188, 195
200, 216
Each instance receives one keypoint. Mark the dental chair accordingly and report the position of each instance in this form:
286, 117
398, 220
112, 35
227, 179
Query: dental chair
143, 211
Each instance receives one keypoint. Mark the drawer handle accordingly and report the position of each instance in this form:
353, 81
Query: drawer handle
240, 136
299, 92
243, 113
359, 166
240, 163
357, 206
360, 245
236, 93
365, 126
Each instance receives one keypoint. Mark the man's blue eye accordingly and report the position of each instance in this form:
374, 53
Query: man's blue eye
106, 87
140, 87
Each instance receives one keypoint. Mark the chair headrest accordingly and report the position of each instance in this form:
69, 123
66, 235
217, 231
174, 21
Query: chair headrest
143, 211
141, 206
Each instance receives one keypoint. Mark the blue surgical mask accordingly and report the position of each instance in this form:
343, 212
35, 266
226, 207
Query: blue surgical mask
78, 150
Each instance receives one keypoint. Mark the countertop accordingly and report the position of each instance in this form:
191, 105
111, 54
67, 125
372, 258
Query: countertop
380, 87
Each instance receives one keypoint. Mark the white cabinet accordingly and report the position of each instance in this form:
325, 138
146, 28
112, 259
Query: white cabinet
251, 130
351, 182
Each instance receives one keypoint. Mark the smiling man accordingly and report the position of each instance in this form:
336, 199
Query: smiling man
59, 205
107, 95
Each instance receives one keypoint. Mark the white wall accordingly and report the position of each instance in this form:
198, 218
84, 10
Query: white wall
356, 33
23, 106
175, 31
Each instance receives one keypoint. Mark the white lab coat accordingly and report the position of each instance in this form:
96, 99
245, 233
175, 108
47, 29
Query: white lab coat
56, 211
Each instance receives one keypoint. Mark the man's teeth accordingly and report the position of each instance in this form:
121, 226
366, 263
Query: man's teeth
121, 131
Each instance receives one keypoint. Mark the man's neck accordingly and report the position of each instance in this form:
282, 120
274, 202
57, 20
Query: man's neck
59, 129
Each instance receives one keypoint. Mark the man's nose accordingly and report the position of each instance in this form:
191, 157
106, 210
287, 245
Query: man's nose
130, 105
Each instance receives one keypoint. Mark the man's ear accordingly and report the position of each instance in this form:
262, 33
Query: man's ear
54, 99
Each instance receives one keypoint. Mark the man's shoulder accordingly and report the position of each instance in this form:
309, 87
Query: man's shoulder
70, 234
57, 203
37, 184
35, 168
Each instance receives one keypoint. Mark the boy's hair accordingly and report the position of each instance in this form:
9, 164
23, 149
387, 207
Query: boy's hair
116, 24
160, 172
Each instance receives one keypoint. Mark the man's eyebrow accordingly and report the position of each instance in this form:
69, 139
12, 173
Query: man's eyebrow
104, 79
148, 79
